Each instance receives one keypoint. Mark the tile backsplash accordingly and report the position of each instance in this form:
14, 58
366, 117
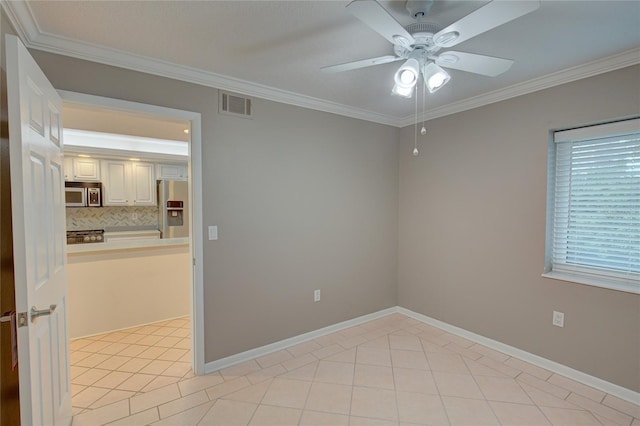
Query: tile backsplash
82, 218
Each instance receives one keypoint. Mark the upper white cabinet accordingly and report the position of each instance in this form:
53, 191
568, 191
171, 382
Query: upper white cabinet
144, 184
115, 183
128, 183
172, 171
81, 169
68, 168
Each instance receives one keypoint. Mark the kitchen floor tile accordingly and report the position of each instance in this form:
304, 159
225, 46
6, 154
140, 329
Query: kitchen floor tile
90, 376
134, 365
136, 382
112, 380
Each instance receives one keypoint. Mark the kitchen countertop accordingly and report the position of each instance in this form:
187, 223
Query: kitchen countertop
130, 228
126, 245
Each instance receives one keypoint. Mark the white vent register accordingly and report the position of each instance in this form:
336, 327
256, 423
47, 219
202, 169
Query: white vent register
235, 105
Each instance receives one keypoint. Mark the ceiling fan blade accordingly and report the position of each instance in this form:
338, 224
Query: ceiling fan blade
360, 64
379, 20
487, 17
470, 62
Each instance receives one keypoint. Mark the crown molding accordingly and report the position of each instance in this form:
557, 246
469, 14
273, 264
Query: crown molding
95, 53
29, 32
590, 69
22, 19
21, 16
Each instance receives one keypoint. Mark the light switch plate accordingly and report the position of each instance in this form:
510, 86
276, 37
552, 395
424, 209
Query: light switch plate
558, 319
213, 233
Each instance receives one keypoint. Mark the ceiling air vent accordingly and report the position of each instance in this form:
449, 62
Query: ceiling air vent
235, 105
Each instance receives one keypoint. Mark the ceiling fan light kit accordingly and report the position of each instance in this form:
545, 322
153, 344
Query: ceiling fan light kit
434, 77
405, 92
420, 43
408, 74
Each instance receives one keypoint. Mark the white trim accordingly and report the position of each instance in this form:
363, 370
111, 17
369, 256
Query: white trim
143, 146
578, 376
195, 187
113, 57
219, 364
21, 17
124, 328
197, 300
601, 281
615, 128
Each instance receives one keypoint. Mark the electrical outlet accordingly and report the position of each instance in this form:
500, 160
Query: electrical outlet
558, 319
316, 296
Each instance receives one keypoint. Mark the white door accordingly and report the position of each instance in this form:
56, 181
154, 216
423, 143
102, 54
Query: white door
37, 194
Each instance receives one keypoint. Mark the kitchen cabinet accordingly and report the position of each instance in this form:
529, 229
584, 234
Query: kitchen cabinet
172, 171
128, 183
144, 184
81, 169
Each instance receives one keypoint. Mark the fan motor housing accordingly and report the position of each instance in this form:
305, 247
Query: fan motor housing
423, 27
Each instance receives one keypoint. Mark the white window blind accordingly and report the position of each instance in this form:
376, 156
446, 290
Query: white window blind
594, 226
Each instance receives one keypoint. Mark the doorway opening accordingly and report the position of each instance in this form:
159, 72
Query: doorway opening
152, 337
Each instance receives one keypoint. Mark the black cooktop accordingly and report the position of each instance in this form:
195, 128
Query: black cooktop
84, 237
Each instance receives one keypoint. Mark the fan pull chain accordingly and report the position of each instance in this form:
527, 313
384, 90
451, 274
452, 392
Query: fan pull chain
415, 128
423, 131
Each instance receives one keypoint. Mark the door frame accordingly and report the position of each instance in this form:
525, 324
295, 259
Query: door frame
195, 183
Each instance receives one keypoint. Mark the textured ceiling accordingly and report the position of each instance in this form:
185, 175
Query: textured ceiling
283, 44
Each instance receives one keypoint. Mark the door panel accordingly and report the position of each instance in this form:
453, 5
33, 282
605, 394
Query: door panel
56, 183
36, 107
39, 233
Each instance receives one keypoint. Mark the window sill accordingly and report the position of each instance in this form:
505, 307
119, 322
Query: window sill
610, 284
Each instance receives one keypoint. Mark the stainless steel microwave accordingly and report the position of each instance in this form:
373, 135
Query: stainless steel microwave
83, 194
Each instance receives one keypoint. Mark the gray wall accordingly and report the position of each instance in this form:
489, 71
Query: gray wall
309, 200
472, 230
303, 200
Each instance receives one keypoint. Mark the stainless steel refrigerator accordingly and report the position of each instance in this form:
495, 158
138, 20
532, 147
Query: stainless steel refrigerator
173, 209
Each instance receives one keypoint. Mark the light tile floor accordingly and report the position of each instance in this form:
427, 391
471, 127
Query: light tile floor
390, 371
115, 366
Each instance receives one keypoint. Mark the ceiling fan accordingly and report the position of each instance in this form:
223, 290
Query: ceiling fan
420, 43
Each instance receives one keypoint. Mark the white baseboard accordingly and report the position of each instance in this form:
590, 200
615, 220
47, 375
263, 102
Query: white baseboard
219, 364
71, 339
578, 376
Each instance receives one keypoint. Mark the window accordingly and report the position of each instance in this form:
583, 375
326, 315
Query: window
593, 209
